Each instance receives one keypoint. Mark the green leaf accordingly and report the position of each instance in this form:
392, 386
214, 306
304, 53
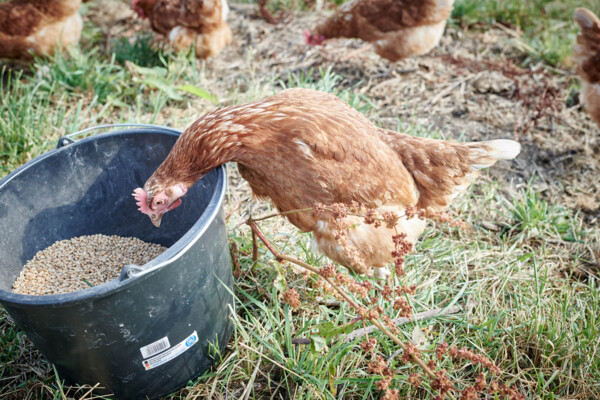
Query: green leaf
154, 71
329, 329
162, 85
199, 92
279, 282
318, 344
156, 78
332, 373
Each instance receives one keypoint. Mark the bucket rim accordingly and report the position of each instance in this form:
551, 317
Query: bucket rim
172, 254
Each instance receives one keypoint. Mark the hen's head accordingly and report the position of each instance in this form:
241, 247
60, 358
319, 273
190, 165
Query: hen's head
135, 5
155, 200
312, 38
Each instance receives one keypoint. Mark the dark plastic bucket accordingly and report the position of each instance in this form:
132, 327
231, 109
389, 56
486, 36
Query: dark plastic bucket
98, 335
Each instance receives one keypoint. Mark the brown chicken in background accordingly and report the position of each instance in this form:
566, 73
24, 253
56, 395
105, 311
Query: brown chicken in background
302, 147
396, 28
587, 58
37, 27
198, 23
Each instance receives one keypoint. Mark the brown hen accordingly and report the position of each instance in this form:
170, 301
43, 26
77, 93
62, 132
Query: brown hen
302, 147
397, 28
587, 58
198, 23
37, 27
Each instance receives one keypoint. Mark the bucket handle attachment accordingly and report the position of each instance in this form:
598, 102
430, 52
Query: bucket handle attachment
69, 138
129, 271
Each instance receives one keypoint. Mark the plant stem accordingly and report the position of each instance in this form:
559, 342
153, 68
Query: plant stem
436, 312
272, 215
254, 247
284, 213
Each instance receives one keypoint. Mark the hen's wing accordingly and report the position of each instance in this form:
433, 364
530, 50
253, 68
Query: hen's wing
440, 168
369, 19
37, 26
199, 15
311, 147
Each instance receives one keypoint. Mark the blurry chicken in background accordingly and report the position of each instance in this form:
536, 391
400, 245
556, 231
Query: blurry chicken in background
396, 28
187, 23
302, 147
37, 27
587, 58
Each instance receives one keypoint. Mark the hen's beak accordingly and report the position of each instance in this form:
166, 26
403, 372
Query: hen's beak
156, 218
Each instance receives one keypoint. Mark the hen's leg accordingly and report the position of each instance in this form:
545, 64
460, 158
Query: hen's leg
387, 73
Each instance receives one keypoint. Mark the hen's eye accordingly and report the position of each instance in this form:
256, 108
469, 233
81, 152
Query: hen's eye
158, 202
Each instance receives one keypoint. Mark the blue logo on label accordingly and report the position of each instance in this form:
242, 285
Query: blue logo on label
191, 340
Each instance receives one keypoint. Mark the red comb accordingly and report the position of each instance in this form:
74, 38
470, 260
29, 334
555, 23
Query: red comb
141, 200
138, 10
313, 39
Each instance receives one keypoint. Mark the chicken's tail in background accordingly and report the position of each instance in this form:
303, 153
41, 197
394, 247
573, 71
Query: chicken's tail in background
340, 24
441, 169
586, 52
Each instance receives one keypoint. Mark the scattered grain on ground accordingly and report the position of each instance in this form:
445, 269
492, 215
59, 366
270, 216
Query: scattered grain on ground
82, 262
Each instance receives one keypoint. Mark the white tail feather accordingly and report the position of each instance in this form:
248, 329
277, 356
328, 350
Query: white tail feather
503, 149
485, 154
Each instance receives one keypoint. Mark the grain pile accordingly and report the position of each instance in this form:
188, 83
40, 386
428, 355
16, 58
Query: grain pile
82, 262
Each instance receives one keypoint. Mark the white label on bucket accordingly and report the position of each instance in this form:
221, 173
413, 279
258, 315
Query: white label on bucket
173, 352
155, 348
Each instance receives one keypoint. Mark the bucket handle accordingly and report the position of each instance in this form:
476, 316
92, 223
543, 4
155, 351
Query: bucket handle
69, 138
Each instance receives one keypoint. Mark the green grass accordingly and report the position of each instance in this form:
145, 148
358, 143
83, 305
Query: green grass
142, 51
532, 273
546, 27
327, 81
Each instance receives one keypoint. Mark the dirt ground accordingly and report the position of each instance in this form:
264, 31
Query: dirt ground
469, 87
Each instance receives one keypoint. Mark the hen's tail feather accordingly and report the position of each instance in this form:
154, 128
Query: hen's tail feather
485, 154
441, 168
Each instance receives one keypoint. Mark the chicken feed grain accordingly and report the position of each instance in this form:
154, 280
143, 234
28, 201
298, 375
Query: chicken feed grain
82, 262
